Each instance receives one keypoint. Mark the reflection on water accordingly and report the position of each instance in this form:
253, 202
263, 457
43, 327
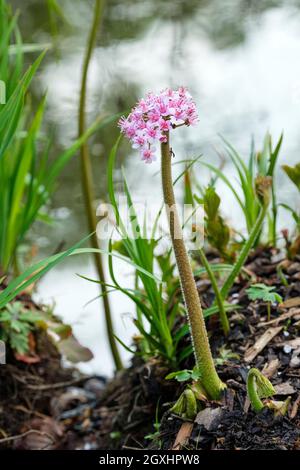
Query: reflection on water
240, 60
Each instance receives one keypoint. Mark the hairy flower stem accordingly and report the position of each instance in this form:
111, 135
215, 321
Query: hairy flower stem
219, 300
244, 253
204, 361
87, 182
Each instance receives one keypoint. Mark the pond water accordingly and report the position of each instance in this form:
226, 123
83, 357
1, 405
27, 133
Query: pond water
240, 60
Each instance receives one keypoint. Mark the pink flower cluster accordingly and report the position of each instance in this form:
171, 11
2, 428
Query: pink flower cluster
153, 117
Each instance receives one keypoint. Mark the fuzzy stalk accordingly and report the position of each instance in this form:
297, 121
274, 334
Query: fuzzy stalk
244, 253
204, 361
219, 300
88, 184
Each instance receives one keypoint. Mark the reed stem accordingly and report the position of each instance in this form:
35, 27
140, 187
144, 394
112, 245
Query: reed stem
87, 181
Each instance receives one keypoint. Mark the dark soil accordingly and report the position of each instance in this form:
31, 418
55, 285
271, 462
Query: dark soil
85, 413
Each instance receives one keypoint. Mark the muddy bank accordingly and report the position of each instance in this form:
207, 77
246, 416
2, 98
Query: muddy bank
46, 406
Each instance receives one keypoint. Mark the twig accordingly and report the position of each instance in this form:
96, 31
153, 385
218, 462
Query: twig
183, 435
261, 343
292, 312
30, 431
54, 386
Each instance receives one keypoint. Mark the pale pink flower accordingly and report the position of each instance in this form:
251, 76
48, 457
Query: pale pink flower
148, 155
153, 117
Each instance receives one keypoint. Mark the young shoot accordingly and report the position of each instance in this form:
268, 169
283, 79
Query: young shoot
186, 405
258, 387
266, 294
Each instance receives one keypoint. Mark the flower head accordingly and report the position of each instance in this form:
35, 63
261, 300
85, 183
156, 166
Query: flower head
154, 116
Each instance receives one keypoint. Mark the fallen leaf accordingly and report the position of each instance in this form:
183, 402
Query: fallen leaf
284, 388
73, 351
295, 408
293, 302
295, 360
247, 405
40, 434
271, 368
27, 358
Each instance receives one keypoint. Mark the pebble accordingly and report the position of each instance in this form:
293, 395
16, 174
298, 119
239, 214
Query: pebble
287, 349
210, 418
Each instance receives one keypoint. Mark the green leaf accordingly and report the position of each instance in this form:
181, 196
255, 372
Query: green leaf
211, 203
293, 173
262, 292
180, 375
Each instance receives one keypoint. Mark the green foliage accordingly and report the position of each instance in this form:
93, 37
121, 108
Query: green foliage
16, 322
10, 68
184, 375
225, 355
27, 180
293, 173
216, 230
293, 241
262, 292
34, 273
27, 177
243, 255
156, 291
188, 194
153, 307
258, 386
186, 405
261, 163
154, 436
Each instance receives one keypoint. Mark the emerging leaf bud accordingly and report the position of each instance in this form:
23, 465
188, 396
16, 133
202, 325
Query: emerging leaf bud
263, 186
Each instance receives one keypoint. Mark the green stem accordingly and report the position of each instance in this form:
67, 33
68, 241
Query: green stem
244, 253
269, 311
256, 402
204, 361
219, 300
87, 181
274, 221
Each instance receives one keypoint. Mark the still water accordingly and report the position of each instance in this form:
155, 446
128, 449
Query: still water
240, 60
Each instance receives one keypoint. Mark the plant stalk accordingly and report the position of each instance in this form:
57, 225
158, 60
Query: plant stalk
244, 253
219, 300
269, 311
87, 181
204, 361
